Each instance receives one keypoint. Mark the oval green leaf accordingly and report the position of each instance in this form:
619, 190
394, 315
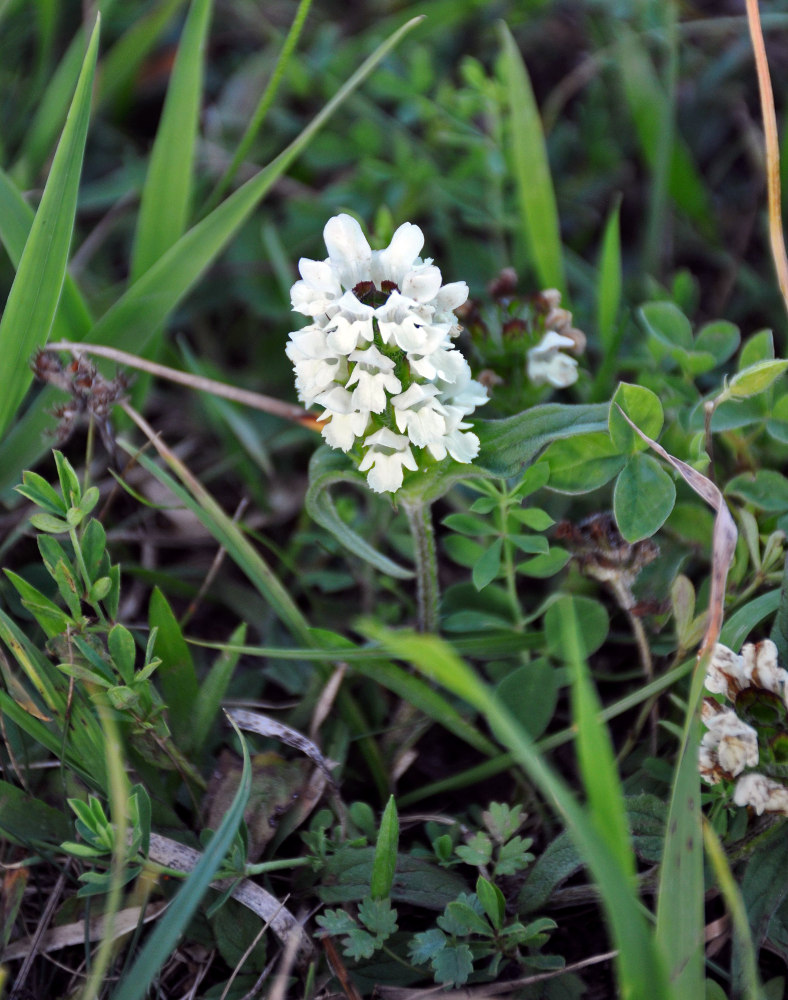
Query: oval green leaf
643, 497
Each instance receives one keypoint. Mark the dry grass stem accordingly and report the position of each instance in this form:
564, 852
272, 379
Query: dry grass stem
776, 237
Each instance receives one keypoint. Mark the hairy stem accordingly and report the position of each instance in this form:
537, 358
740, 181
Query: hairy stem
419, 516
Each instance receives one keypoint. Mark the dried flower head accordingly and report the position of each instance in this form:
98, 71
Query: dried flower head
90, 394
753, 732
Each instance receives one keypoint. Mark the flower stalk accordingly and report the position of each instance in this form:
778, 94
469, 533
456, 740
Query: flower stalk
419, 515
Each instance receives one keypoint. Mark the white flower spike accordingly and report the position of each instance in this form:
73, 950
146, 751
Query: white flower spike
379, 354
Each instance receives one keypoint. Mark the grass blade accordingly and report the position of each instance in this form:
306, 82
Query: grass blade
264, 104
532, 171
680, 912
161, 943
37, 287
608, 293
166, 196
73, 319
649, 107
594, 748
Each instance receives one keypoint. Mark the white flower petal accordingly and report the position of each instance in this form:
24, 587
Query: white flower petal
348, 250
422, 283
393, 263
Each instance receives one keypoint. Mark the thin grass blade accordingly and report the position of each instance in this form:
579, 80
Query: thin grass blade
36, 290
532, 171
161, 943
649, 107
594, 748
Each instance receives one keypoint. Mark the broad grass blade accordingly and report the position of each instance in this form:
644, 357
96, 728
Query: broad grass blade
532, 170
73, 319
159, 947
640, 967
35, 293
166, 196
680, 916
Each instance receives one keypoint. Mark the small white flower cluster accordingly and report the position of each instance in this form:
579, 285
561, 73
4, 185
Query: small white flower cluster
546, 362
730, 744
378, 354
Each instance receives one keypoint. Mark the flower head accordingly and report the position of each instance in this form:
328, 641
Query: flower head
379, 353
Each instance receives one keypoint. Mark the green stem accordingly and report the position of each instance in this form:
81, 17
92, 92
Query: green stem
419, 516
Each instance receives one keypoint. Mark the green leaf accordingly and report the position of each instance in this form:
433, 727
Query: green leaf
757, 347
176, 675
643, 408
766, 489
756, 378
532, 517
327, 468
477, 852
643, 497
487, 567
378, 916
546, 565
385, 861
584, 463
463, 919
49, 524
425, 945
453, 964
52, 619
35, 293
123, 651
507, 445
27, 821
93, 545
667, 323
467, 524
531, 169
779, 633
719, 338
531, 692
491, 898
160, 945
37, 489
